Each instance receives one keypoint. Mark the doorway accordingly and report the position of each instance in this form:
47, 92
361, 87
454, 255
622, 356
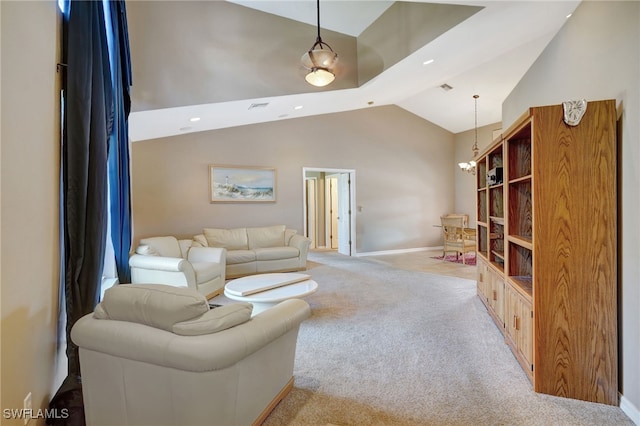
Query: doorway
329, 195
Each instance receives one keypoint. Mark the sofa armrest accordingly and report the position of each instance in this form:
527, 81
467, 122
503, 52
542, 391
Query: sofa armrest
300, 242
159, 263
191, 353
207, 254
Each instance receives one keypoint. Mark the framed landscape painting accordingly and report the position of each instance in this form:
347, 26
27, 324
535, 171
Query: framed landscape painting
242, 184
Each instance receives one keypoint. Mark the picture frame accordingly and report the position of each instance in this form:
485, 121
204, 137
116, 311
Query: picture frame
242, 184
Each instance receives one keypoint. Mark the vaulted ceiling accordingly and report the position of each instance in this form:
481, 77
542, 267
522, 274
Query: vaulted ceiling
203, 65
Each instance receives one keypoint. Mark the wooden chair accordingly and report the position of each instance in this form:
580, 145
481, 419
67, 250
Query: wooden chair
457, 237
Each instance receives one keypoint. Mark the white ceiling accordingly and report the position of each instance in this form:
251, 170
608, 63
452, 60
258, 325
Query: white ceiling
486, 55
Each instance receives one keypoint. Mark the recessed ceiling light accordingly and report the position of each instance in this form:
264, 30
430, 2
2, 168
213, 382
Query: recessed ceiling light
569, 15
430, 61
370, 102
446, 87
194, 119
283, 115
298, 107
182, 129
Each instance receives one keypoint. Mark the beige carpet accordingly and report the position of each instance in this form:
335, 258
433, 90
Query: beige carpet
387, 346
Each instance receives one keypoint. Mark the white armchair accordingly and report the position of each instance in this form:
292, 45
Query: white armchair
167, 260
157, 355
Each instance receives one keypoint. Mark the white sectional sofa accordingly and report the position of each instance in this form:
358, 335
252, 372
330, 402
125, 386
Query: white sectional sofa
258, 249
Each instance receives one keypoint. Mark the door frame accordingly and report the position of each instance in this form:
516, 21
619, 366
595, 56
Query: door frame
352, 201
313, 203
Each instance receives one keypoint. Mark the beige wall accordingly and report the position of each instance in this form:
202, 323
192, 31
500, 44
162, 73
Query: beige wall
211, 55
595, 56
29, 209
404, 175
465, 192
401, 30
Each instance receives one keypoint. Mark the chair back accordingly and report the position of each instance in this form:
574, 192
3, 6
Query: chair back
452, 227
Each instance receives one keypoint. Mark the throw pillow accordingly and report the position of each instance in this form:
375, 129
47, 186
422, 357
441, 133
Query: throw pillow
199, 241
215, 320
147, 250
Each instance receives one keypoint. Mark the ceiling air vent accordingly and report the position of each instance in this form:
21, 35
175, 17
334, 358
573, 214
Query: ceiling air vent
446, 87
258, 105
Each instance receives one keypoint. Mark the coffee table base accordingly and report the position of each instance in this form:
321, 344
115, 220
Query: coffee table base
266, 299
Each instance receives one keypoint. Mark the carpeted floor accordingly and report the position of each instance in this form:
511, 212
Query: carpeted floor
387, 346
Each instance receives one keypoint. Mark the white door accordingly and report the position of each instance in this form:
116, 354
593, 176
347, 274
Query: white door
332, 211
344, 214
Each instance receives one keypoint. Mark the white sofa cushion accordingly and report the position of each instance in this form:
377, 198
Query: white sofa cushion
276, 253
231, 239
166, 246
156, 305
215, 320
266, 236
240, 256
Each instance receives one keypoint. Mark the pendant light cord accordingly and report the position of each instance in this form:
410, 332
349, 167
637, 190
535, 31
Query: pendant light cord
318, 6
475, 143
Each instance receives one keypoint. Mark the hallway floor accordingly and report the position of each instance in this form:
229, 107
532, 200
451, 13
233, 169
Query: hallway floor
422, 261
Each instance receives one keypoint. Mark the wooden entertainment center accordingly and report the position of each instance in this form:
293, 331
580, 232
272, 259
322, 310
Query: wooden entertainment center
547, 247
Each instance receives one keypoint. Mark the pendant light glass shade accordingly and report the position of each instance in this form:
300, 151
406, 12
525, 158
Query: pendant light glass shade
319, 61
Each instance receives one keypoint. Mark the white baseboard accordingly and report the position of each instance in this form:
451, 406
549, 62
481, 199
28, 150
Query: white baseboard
630, 410
399, 251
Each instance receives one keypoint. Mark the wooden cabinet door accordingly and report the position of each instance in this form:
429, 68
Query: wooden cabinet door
525, 332
483, 290
496, 294
519, 326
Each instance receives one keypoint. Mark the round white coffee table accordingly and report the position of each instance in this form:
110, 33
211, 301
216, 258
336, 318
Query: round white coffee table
266, 290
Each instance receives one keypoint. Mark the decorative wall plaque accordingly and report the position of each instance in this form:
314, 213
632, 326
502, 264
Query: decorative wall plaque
574, 111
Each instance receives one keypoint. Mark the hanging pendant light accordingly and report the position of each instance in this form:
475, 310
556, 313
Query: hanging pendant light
320, 61
470, 167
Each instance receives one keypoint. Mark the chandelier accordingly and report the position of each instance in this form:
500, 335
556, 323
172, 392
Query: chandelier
319, 61
470, 167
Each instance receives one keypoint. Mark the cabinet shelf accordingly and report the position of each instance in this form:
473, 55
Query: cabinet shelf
524, 283
521, 240
498, 220
499, 266
520, 179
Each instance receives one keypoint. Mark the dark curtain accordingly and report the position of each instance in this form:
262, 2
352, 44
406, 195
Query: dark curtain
89, 120
119, 181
